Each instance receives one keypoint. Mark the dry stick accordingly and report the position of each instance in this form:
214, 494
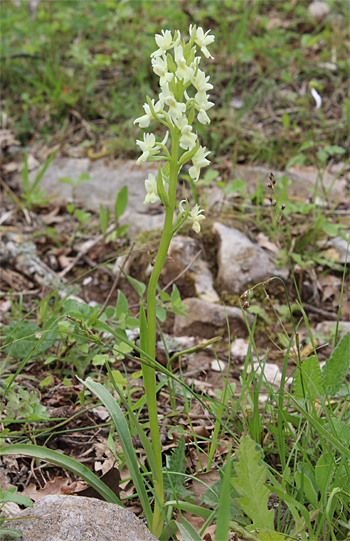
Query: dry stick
85, 251
184, 271
319, 311
116, 281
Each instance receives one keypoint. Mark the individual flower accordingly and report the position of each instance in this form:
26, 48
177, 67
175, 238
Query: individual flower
176, 109
144, 121
202, 40
187, 139
195, 216
200, 82
183, 71
151, 187
202, 105
148, 147
160, 68
164, 42
199, 160
316, 97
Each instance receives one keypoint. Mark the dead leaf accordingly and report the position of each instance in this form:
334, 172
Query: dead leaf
53, 488
111, 479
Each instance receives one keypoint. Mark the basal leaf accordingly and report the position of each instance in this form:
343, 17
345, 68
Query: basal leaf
250, 485
308, 379
337, 366
27, 334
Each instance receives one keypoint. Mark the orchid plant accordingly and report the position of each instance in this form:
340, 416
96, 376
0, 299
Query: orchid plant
182, 97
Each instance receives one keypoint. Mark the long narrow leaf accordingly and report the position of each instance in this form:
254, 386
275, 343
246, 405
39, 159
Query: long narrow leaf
121, 425
64, 462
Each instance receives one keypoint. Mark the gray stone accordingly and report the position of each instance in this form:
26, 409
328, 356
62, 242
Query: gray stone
318, 12
325, 327
241, 262
107, 178
182, 252
302, 181
340, 245
206, 319
75, 518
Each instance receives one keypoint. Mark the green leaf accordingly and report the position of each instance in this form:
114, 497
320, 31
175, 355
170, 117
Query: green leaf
10, 532
161, 313
309, 489
324, 472
121, 425
20, 499
223, 518
173, 483
139, 287
63, 461
250, 485
342, 430
121, 202
28, 334
337, 366
308, 380
122, 305
104, 218
189, 533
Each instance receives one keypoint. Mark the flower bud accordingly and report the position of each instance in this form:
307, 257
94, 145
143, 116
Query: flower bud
246, 305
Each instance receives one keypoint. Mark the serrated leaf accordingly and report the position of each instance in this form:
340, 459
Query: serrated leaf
337, 366
176, 463
308, 379
250, 485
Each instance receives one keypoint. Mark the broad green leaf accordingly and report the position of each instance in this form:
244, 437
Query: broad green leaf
250, 485
337, 366
20, 499
28, 334
10, 532
63, 461
121, 202
189, 533
309, 490
139, 287
122, 305
121, 425
308, 379
342, 430
324, 471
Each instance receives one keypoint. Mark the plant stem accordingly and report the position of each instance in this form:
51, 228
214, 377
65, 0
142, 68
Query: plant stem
149, 377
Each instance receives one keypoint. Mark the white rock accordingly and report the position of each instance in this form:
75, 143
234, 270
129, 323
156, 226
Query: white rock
239, 348
241, 262
272, 372
318, 11
206, 319
325, 327
218, 366
75, 518
182, 252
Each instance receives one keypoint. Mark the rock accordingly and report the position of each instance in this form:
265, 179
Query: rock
74, 518
318, 12
239, 348
107, 178
340, 245
182, 252
302, 181
241, 262
272, 372
325, 327
206, 319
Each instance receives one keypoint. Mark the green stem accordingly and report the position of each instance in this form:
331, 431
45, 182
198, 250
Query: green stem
149, 377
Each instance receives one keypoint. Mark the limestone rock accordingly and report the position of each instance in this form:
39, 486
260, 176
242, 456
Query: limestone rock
325, 327
181, 252
241, 262
318, 12
107, 178
74, 518
206, 319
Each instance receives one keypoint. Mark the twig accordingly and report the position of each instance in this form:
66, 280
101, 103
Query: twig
184, 271
84, 251
320, 312
116, 281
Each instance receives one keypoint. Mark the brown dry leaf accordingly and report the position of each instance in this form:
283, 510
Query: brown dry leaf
197, 431
56, 487
264, 242
3, 482
111, 479
197, 488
